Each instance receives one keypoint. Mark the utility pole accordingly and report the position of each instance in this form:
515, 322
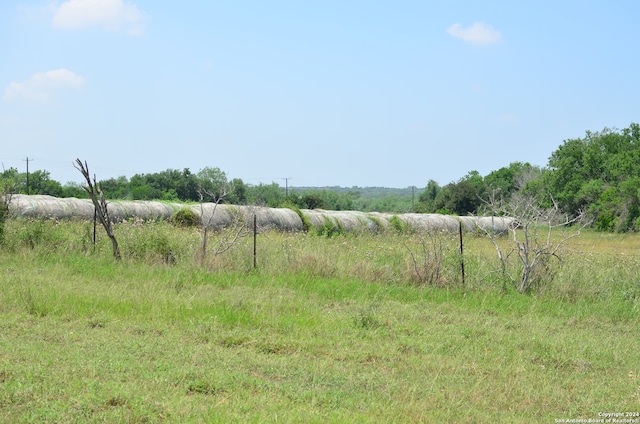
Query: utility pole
413, 195
286, 186
27, 160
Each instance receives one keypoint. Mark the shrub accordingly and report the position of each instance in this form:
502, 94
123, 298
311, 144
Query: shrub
330, 228
428, 257
306, 224
397, 225
185, 217
150, 242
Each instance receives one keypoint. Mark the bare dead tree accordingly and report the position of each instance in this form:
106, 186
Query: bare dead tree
229, 235
532, 243
100, 204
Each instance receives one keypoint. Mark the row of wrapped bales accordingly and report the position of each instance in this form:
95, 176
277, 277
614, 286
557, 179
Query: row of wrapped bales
353, 220
221, 215
494, 224
214, 216
42, 206
343, 220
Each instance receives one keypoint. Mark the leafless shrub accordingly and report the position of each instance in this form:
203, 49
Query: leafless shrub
534, 239
428, 257
229, 235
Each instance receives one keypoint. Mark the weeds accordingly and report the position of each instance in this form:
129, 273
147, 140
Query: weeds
329, 228
366, 318
33, 304
398, 226
428, 257
150, 243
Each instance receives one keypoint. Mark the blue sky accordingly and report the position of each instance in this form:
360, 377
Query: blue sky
348, 93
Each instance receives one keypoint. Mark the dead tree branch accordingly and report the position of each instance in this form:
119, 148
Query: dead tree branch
231, 234
100, 204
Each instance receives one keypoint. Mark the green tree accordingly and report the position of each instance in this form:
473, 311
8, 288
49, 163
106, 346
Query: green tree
427, 199
173, 184
145, 192
238, 192
10, 179
568, 173
313, 200
512, 178
598, 173
271, 195
72, 189
116, 188
40, 182
462, 197
213, 181
186, 185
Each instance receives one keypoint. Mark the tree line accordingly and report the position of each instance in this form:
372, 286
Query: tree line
183, 186
598, 174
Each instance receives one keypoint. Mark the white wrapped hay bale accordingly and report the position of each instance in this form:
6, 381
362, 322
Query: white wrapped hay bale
430, 222
343, 220
493, 224
282, 219
141, 209
222, 215
41, 206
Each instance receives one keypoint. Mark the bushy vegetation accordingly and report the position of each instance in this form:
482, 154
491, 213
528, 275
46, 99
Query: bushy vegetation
598, 174
356, 327
185, 217
40, 182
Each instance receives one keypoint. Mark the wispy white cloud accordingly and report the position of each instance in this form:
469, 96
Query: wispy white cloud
42, 86
479, 33
113, 15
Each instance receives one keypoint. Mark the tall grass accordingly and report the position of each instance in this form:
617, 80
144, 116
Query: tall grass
324, 330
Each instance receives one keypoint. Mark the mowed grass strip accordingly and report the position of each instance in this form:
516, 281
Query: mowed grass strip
86, 339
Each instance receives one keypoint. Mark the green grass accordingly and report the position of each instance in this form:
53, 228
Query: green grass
324, 330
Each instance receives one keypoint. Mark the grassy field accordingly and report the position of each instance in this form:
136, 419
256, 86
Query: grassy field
324, 330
